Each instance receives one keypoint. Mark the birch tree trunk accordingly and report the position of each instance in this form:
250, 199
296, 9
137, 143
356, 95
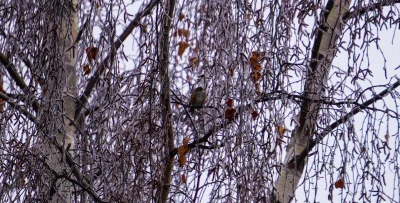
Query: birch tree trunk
323, 52
168, 131
60, 102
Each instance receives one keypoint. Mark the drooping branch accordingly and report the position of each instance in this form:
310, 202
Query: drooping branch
10, 67
352, 14
117, 44
78, 175
76, 182
18, 107
267, 97
313, 142
88, 190
203, 139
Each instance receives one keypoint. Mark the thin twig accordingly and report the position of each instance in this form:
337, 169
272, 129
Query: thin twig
18, 107
10, 67
117, 44
313, 142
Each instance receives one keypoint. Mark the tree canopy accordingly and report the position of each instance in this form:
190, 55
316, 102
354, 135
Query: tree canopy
97, 101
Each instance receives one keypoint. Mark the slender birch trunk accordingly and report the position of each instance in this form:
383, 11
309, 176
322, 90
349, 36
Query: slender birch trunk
59, 103
168, 130
322, 55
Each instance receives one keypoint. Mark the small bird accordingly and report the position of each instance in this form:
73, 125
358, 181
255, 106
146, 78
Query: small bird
198, 98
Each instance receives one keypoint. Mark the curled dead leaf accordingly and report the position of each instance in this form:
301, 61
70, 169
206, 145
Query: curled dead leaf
203, 8
183, 176
144, 28
253, 61
183, 150
184, 33
281, 130
181, 16
229, 102
182, 161
185, 141
257, 67
91, 53
230, 114
255, 75
254, 115
339, 184
194, 61
86, 69
182, 47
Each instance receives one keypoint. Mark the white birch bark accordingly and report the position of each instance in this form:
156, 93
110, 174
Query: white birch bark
322, 55
64, 80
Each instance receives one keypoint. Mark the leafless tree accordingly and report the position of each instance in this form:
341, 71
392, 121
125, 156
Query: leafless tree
94, 101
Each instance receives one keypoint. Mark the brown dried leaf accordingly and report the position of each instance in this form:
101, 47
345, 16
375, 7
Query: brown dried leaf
196, 50
258, 89
229, 103
194, 61
182, 161
281, 130
249, 16
183, 150
230, 114
255, 76
185, 141
257, 67
339, 184
183, 178
203, 8
91, 53
254, 115
86, 69
181, 16
184, 33
231, 72
144, 28
253, 61
182, 48
258, 54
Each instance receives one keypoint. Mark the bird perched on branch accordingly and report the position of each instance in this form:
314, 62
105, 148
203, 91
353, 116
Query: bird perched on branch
198, 98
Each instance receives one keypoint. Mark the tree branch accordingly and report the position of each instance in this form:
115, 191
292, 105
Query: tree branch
117, 44
351, 14
78, 175
165, 98
203, 139
313, 142
18, 107
15, 76
88, 190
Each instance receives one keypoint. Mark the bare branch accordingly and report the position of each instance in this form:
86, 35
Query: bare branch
79, 176
16, 77
18, 107
165, 99
360, 11
313, 142
117, 44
